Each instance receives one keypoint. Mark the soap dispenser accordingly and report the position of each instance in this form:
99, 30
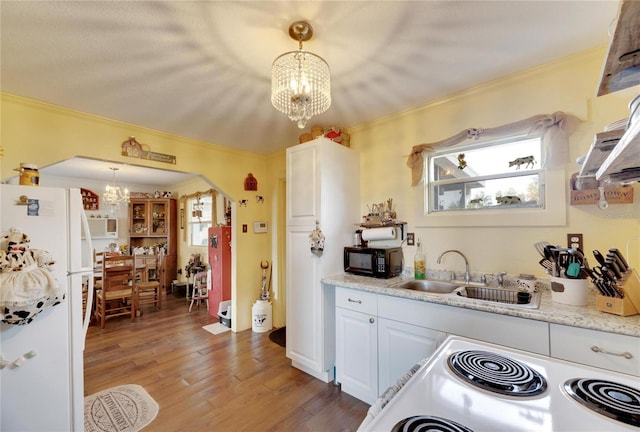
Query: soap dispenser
419, 262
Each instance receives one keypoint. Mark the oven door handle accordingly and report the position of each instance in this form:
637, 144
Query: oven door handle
626, 355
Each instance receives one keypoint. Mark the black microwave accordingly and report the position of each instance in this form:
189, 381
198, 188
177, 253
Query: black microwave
381, 263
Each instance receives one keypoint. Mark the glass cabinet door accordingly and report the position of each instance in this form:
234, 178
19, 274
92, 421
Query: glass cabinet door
159, 225
139, 218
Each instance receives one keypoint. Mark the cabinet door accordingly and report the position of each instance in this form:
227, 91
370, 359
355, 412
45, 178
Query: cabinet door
158, 216
356, 354
303, 186
400, 347
138, 218
304, 303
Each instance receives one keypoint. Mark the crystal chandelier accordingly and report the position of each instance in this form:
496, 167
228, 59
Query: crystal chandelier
113, 196
300, 80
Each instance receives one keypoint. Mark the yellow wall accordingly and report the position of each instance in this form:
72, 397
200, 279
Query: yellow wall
44, 134
568, 85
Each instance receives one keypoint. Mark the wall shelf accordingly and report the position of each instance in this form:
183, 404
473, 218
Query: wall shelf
603, 144
623, 57
623, 163
622, 195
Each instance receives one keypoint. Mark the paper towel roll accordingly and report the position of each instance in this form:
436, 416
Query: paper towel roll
387, 233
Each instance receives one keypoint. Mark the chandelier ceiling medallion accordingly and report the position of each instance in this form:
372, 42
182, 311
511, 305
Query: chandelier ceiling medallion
113, 196
300, 80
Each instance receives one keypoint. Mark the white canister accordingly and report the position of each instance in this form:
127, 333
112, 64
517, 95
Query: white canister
261, 312
569, 291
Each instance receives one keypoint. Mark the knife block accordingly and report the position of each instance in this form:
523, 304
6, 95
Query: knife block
626, 306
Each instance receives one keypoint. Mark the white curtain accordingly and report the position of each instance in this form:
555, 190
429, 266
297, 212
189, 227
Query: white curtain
555, 129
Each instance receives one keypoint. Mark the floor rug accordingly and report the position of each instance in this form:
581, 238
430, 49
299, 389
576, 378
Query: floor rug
216, 328
279, 336
125, 408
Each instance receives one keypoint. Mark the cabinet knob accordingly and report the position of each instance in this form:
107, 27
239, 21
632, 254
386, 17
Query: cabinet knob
372, 320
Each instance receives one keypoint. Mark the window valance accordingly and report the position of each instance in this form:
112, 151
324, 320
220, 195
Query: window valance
555, 130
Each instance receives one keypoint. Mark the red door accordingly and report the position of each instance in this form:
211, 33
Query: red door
219, 255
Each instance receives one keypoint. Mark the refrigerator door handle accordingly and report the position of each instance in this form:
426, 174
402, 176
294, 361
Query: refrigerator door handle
89, 271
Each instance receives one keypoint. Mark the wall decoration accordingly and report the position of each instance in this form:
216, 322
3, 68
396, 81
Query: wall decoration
317, 240
90, 200
250, 183
462, 164
133, 148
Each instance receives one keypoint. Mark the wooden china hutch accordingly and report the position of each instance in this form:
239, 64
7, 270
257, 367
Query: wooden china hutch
153, 227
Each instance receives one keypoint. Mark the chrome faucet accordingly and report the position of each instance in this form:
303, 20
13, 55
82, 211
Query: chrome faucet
466, 262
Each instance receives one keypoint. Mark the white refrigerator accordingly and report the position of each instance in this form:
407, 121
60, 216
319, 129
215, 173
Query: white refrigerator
41, 383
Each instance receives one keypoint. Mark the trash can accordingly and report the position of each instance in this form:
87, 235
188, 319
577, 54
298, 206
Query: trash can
261, 312
224, 313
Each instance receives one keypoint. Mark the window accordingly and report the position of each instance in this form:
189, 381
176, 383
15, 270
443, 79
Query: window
199, 219
488, 176
502, 184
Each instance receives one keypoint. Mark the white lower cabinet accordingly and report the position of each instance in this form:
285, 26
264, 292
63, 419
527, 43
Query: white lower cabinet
400, 347
619, 353
357, 354
372, 352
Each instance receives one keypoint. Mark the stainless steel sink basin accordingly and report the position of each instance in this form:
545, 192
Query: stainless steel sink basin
431, 286
511, 297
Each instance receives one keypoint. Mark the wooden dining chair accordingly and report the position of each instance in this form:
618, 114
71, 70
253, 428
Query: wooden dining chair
115, 297
98, 257
147, 285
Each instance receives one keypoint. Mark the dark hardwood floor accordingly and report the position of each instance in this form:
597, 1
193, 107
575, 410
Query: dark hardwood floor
205, 382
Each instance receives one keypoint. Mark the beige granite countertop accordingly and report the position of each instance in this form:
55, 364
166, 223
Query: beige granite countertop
577, 316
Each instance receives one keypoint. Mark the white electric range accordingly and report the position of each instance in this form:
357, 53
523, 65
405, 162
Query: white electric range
467, 385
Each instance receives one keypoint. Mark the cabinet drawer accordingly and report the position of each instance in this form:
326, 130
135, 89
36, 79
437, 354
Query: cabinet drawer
596, 348
515, 332
359, 301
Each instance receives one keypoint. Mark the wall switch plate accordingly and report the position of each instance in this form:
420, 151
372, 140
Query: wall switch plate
244, 228
411, 239
575, 241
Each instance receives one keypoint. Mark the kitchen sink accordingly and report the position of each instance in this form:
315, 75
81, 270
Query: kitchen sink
514, 298
431, 286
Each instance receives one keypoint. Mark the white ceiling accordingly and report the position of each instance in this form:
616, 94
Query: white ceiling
126, 175
201, 69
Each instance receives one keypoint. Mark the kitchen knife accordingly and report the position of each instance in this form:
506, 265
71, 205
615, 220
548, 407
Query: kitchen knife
607, 274
599, 283
599, 257
614, 287
611, 265
620, 257
618, 261
613, 257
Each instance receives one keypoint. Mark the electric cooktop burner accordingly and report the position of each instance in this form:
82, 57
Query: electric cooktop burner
497, 373
616, 401
425, 423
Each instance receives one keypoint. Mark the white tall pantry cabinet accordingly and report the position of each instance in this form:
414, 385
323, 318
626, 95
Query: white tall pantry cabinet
323, 190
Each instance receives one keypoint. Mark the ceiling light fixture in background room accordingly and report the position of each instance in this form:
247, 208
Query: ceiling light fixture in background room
300, 80
113, 196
